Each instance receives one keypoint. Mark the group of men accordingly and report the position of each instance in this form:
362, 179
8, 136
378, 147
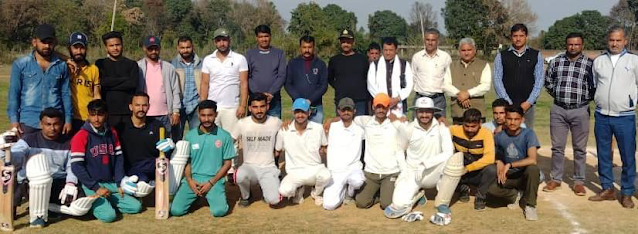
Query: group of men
98, 133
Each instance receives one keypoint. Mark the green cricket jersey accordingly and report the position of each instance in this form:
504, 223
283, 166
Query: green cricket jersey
209, 150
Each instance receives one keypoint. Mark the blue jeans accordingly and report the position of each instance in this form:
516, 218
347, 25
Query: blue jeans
275, 107
193, 123
624, 129
362, 108
317, 114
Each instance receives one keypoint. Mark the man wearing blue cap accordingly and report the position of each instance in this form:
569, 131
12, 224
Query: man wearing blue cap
159, 80
85, 84
39, 80
303, 140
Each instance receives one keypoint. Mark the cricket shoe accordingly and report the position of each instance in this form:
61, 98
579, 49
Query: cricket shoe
442, 217
318, 199
37, 223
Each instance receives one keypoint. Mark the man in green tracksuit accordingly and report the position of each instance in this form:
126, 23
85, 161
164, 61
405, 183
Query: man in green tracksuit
211, 149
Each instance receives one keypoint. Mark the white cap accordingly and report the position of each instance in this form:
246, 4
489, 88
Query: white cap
424, 103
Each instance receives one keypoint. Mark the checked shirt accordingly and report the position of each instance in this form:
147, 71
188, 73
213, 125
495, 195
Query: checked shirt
570, 82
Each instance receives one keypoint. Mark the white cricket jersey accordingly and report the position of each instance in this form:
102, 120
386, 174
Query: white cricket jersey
382, 155
427, 147
344, 147
258, 140
223, 86
301, 150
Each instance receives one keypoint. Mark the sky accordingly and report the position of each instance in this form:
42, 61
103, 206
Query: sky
548, 11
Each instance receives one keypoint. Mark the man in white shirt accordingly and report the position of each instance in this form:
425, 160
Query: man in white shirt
258, 133
430, 163
225, 81
344, 157
303, 140
392, 76
429, 67
467, 81
383, 158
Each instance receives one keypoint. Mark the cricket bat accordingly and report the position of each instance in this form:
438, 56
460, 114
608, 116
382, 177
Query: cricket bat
8, 181
161, 184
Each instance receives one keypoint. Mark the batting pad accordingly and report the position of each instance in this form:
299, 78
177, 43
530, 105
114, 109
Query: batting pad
40, 182
177, 164
450, 179
79, 207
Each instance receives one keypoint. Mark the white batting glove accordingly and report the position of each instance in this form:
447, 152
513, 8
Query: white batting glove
129, 185
414, 216
165, 145
70, 190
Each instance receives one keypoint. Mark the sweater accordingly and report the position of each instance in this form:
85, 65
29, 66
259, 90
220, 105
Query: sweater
309, 85
118, 83
96, 156
348, 76
138, 144
266, 70
478, 152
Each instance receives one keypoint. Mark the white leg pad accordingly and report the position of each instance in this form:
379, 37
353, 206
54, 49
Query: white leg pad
79, 207
450, 179
177, 165
40, 182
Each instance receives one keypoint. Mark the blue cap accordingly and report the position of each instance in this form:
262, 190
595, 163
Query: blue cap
78, 38
151, 41
301, 104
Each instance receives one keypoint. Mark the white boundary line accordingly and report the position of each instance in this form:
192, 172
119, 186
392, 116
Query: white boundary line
564, 211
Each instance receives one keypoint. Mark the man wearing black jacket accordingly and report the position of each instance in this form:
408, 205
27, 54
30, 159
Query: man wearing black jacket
348, 73
119, 77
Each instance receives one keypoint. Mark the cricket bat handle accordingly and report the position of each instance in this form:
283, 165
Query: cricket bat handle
161, 138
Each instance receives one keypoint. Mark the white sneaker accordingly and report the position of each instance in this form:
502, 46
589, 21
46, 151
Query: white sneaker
530, 213
318, 199
514, 205
298, 198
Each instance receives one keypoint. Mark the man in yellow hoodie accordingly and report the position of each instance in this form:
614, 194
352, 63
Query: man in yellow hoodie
477, 145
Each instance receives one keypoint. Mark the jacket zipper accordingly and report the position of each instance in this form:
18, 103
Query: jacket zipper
611, 80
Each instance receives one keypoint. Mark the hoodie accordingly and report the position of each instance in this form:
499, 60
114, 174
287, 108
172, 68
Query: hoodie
96, 156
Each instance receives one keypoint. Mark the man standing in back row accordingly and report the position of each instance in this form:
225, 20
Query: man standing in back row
347, 74
307, 78
518, 73
266, 70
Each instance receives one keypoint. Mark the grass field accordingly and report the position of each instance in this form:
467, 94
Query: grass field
559, 212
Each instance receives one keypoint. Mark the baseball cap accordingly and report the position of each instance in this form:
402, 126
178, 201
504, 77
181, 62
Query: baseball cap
381, 99
346, 34
78, 38
346, 102
151, 41
424, 103
301, 104
220, 32
44, 31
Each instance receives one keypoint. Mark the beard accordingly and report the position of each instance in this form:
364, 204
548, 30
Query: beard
79, 57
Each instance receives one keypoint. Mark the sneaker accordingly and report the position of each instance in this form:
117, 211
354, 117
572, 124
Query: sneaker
298, 198
318, 199
464, 193
37, 223
605, 195
243, 202
442, 217
551, 186
479, 203
514, 205
530, 213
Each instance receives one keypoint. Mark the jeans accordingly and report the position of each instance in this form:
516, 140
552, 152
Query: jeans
275, 107
624, 129
317, 114
193, 123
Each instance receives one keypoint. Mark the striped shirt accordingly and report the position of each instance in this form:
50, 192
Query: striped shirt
478, 152
570, 82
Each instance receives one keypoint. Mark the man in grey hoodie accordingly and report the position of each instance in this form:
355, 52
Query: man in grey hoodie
615, 74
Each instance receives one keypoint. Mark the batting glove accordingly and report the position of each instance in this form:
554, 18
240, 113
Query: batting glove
414, 216
69, 190
165, 145
129, 185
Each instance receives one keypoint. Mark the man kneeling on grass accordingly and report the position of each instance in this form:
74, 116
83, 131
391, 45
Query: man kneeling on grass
210, 154
518, 176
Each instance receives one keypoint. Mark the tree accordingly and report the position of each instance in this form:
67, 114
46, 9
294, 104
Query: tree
482, 20
623, 14
422, 11
518, 11
339, 19
310, 19
387, 24
591, 24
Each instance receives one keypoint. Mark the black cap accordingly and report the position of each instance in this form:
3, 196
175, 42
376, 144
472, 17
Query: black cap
151, 41
346, 34
78, 38
45, 31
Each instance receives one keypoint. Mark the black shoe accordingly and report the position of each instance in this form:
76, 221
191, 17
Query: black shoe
479, 203
464, 193
243, 202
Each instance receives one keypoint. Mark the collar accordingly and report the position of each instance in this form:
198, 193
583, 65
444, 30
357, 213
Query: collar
146, 60
196, 60
214, 132
435, 123
54, 58
525, 49
623, 52
564, 56
292, 128
467, 64
436, 53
